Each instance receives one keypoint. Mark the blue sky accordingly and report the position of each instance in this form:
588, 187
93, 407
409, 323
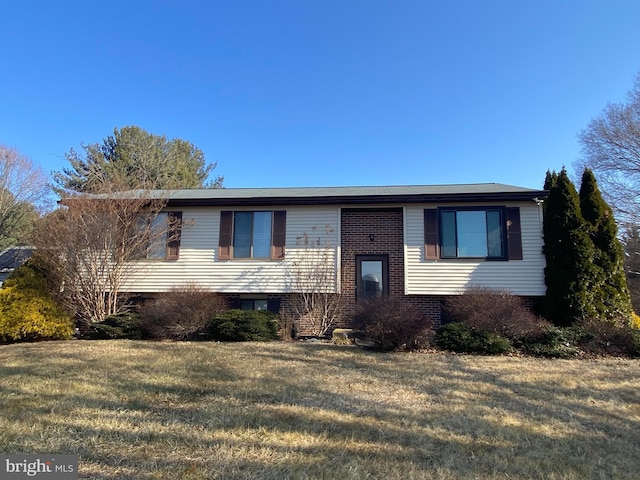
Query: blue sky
321, 93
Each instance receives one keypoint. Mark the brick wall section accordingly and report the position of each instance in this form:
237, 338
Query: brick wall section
429, 304
387, 228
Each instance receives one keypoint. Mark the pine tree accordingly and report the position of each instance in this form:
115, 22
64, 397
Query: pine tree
610, 293
569, 251
133, 158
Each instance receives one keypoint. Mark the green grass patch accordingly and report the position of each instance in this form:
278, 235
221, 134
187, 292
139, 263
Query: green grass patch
147, 410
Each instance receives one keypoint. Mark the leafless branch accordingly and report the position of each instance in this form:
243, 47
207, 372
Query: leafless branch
91, 245
312, 274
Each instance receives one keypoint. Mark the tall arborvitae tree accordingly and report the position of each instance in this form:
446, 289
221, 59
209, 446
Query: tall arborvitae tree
550, 180
570, 272
610, 296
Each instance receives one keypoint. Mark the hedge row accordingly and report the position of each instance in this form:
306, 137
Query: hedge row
229, 325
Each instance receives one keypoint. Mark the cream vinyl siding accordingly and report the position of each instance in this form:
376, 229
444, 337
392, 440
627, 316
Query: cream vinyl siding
198, 260
451, 276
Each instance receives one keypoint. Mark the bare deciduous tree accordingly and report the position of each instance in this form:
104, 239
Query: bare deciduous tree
23, 189
611, 149
312, 274
631, 244
91, 244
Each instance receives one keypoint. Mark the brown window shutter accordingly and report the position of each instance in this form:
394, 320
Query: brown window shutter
279, 234
226, 231
173, 235
431, 247
514, 234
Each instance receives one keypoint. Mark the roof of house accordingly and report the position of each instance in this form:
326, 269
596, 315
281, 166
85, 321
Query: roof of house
350, 195
395, 194
11, 258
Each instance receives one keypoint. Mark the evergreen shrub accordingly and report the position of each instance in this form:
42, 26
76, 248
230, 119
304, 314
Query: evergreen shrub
27, 311
393, 324
123, 325
244, 326
460, 337
557, 342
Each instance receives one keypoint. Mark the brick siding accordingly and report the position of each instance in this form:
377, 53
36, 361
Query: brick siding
357, 226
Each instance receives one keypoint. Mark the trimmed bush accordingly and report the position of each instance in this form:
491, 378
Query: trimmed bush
460, 337
455, 337
183, 313
495, 311
123, 325
393, 324
244, 326
27, 311
557, 342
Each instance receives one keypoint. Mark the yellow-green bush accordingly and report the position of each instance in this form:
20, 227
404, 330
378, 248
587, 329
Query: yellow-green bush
635, 320
27, 311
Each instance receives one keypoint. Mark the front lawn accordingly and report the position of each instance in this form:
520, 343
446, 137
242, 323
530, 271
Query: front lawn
147, 410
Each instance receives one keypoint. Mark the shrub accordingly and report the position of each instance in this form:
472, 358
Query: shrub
181, 313
556, 342
392, 323
460, 337
27, 311
244, 326
635, 335
606, 337
288, 326
456, 337
495, 311
123, 325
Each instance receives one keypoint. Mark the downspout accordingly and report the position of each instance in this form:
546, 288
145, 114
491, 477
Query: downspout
539, 202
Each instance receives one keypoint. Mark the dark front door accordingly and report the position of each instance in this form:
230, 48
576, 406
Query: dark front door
372, 276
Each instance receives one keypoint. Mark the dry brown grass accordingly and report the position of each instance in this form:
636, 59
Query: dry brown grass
280, 410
